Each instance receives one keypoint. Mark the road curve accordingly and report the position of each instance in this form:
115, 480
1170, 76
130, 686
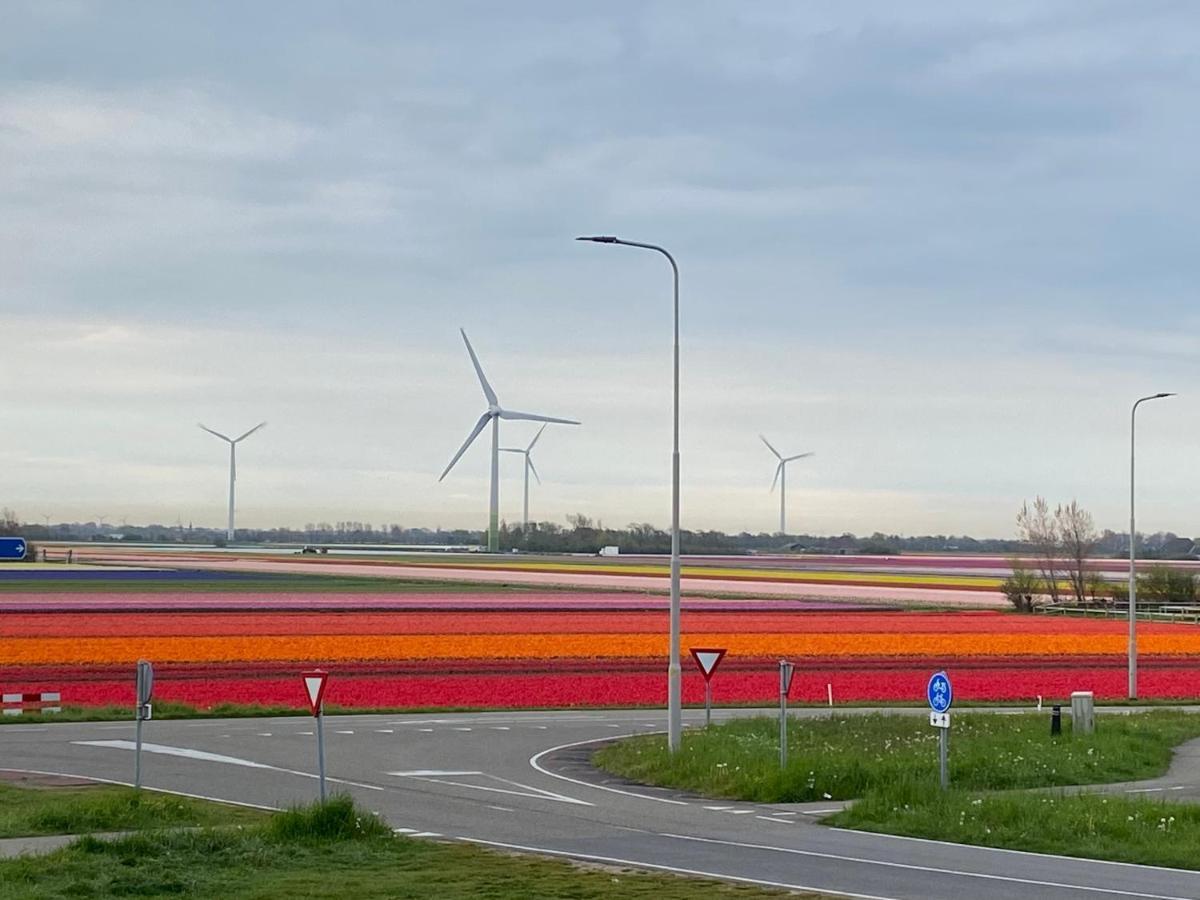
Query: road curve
519, 781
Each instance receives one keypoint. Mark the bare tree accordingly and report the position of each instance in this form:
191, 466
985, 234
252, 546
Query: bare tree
1077, 537
1038, 527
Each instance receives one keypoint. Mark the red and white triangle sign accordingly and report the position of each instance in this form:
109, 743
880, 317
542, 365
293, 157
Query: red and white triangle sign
314, 683
707, 658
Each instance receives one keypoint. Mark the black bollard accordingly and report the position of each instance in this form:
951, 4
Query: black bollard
1055, 720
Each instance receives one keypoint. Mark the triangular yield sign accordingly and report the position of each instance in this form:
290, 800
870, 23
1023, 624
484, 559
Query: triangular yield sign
707, 659
314, 683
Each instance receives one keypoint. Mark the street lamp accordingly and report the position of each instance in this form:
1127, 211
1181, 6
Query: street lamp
674, 675
1132, 552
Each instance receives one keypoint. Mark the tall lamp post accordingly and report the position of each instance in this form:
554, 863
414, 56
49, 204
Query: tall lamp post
674, 675
1133, 550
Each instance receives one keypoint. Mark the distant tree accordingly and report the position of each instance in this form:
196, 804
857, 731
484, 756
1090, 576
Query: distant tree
9, 523
1037, 527
1077, 539
1022, 587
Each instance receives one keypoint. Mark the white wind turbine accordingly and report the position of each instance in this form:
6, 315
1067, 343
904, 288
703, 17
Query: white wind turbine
528, 468
493, 415
233, 442
781, 478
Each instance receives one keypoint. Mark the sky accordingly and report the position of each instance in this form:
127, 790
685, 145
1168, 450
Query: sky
942, 246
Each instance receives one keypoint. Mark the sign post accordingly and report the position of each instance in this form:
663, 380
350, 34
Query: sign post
707, 659
941, 695
785, 683
12, 548
145, 690
314, 684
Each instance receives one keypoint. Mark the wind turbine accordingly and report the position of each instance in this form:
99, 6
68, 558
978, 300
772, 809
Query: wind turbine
528, 468
233, 442
493, 415
781, 478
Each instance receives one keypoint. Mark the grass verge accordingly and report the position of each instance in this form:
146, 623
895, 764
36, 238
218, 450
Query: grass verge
332, 851
846, 757
28, 811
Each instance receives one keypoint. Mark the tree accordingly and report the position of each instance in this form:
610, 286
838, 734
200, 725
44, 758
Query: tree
1077, 538
9, 524
1038, 528
1021, 587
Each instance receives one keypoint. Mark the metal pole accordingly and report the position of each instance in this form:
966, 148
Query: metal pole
137, 756
321, 753
707, 703
525, 525
674, 672
494, 509
232, 479
943, 754
1133, 549
783, 747
783, 498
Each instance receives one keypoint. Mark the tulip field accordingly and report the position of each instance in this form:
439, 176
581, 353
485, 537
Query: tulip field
215, 642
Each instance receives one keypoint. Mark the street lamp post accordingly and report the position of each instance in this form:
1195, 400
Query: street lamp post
1133, 550
674, 675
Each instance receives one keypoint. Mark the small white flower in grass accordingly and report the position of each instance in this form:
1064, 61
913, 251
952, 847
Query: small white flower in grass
827, 795
976, 801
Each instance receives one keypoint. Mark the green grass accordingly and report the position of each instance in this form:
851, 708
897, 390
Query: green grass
331, 852
28, 811
848, 756
1149, 832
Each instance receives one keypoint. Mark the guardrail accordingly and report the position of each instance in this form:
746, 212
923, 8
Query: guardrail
1168, 613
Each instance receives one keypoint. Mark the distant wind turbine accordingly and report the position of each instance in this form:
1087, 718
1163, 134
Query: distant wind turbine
528, 468
781, 478
493, 415
233, 442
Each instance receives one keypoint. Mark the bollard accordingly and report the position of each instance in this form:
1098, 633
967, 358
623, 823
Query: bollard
1055, 720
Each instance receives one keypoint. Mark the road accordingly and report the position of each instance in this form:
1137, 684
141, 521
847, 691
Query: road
519, 781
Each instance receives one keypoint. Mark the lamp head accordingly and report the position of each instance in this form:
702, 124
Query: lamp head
599, 239
1157, 396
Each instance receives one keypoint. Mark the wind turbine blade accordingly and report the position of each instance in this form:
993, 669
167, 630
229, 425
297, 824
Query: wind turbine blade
775, 480
799, 456
217, 433
510, 449
529, 460
513, 414
483, 382
250, 432
535, 438
769, 447
479, 426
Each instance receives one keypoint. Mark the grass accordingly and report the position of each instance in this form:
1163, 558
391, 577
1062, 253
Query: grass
888, 764
846, 757
332, 851
28, 811
1149, 832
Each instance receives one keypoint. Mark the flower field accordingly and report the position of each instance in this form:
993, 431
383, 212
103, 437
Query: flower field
553, 649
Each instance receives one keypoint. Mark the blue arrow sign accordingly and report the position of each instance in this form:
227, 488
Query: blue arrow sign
12, 548
939, 692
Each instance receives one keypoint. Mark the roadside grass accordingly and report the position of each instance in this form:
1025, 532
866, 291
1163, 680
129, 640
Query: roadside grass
846, 757
1148, 832
26, 811
330, 852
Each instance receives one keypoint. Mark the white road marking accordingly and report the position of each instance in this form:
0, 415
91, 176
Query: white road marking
985, 876
461, 728
525, 789
817, 812
264, 734
780, 821
343, 732
384, 731
718, 808
405, 830
500, 728
500, 808
429, 730
204, 756
638, 864
425, 834
433, 773
533, 761
305, 732
740, 812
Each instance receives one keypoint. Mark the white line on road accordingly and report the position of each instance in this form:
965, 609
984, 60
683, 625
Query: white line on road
533, 761
638, 864
204, 756
384, 731
780, 821
934, 870
526, 790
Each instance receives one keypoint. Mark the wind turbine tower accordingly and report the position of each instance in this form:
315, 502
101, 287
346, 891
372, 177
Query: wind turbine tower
528, 468
233, 442
495, 412
781, 479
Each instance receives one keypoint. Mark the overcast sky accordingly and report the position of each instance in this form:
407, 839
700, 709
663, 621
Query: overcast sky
944, 246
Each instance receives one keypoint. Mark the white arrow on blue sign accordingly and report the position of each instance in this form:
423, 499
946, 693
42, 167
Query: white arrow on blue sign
12, 548
939, 692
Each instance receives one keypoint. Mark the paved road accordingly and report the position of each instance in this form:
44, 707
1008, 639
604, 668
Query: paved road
517, 781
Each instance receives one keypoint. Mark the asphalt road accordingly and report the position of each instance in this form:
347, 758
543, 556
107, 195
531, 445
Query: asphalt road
518, 781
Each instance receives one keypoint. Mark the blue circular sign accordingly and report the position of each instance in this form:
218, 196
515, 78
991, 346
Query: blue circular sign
939, 692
